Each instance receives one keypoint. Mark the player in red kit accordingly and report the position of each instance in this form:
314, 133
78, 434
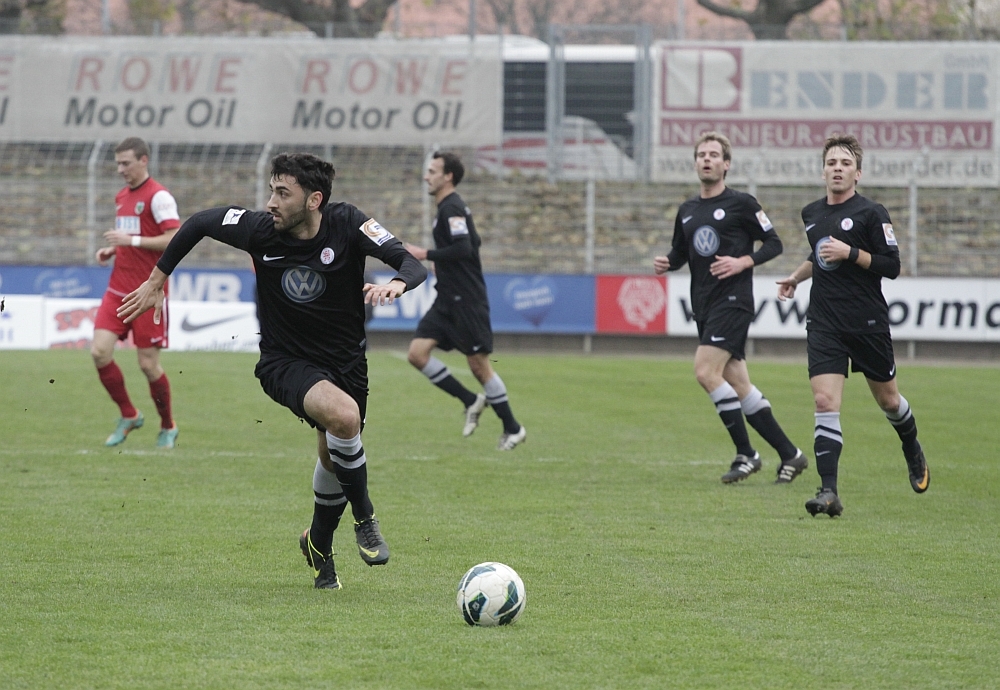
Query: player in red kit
145, 221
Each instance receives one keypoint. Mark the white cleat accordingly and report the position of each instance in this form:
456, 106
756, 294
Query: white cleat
511, 441
472, 413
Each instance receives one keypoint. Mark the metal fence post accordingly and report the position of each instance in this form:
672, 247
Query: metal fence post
913, 227
262, 186
92, 161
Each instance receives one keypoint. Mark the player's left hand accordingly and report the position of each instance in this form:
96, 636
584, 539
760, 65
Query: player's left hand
377, 295
728, 266
116, 238
834, 250
147, 295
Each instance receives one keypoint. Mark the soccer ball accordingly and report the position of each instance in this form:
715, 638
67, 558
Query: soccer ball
491, 594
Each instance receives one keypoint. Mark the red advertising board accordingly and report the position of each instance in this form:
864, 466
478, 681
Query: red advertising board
632, 304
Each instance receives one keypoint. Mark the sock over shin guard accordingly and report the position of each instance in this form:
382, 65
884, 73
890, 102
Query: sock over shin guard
905, 425
727, 404
758, 413
114, 382
349, 461
438, 373
828, 441
328, 508
496, 396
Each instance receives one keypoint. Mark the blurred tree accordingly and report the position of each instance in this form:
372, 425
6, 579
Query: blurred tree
32, 16
769, 19
363, 21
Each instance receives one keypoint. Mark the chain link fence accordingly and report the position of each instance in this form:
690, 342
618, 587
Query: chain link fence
58, 199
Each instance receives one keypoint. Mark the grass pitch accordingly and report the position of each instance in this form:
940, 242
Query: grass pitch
131, 567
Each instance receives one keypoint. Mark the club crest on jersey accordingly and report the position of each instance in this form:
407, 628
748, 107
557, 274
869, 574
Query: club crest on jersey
375, 232
302, 284
718, 214
326, 256
139, 206
706, 240
822, 263
846, 224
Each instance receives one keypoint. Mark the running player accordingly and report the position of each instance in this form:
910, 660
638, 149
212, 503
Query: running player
854, 247
145, 221
715, 233
459, 319
309, 256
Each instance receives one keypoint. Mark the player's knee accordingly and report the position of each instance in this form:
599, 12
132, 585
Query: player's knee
417, 358
343, 421
825, 403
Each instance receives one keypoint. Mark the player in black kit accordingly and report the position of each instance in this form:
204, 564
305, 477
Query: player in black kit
854, 247
459, 319
715, 233
309, 257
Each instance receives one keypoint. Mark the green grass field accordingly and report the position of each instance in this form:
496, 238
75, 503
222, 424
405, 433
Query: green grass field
131, 568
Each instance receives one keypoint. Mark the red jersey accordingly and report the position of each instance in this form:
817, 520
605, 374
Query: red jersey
148, 210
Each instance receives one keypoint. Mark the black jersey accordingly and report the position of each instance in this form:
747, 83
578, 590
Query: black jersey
724, 225
456, 255
309, 292
844, 297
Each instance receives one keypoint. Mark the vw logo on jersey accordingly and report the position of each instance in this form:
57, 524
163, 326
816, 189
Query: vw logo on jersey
302, 284
706, 240
825, 265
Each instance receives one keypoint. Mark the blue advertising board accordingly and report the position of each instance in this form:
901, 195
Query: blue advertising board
191, 285
518, 304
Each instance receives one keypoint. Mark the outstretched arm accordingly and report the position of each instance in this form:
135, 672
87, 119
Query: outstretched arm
149, 294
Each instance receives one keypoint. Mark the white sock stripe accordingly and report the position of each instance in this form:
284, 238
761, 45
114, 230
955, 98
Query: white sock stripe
825, 433
346, 452
495, 401
723, 392
495, 389
754, 402
728, 405
337, 500
831, 420
902, 414
435, 370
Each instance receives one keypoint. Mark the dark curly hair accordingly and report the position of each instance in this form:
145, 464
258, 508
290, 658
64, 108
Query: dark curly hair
312, 173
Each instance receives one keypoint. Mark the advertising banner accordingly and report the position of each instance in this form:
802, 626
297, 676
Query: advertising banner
518, 304
21, 322
243, 90
922, 111
632, 304
198, 285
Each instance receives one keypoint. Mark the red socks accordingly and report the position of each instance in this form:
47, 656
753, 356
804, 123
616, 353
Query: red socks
160, 392
114, 382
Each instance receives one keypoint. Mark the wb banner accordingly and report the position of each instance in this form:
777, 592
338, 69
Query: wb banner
923, 112
242, 90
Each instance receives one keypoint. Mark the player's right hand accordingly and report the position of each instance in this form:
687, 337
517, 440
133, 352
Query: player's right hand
661, 265
140, 300
105, 254
786, 288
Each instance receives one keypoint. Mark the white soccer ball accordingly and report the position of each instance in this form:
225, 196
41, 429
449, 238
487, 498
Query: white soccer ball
491, 594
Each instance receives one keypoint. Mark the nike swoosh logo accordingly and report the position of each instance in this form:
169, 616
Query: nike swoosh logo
684, 220
191, 327
810, 227
370, 554
271, 258
716, 339
822, 452
892, 371
926, 480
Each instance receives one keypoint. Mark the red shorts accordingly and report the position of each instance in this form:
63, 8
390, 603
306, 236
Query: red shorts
145, 333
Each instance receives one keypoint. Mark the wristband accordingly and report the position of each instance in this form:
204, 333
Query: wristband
853, 256
136, 239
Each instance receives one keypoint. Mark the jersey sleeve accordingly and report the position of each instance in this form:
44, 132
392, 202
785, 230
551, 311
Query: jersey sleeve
885, 251
678, 255
762, 230
163, 206
230, 225
374, 240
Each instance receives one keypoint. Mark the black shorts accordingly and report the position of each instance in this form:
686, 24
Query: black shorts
726, 328
287, 380
461, 327
870, 354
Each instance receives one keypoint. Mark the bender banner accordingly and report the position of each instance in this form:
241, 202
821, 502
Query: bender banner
223, 90
922, 111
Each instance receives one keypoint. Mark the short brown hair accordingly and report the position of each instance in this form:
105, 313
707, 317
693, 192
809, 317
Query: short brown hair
134, 144
848, 142
727, 149
451, 163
